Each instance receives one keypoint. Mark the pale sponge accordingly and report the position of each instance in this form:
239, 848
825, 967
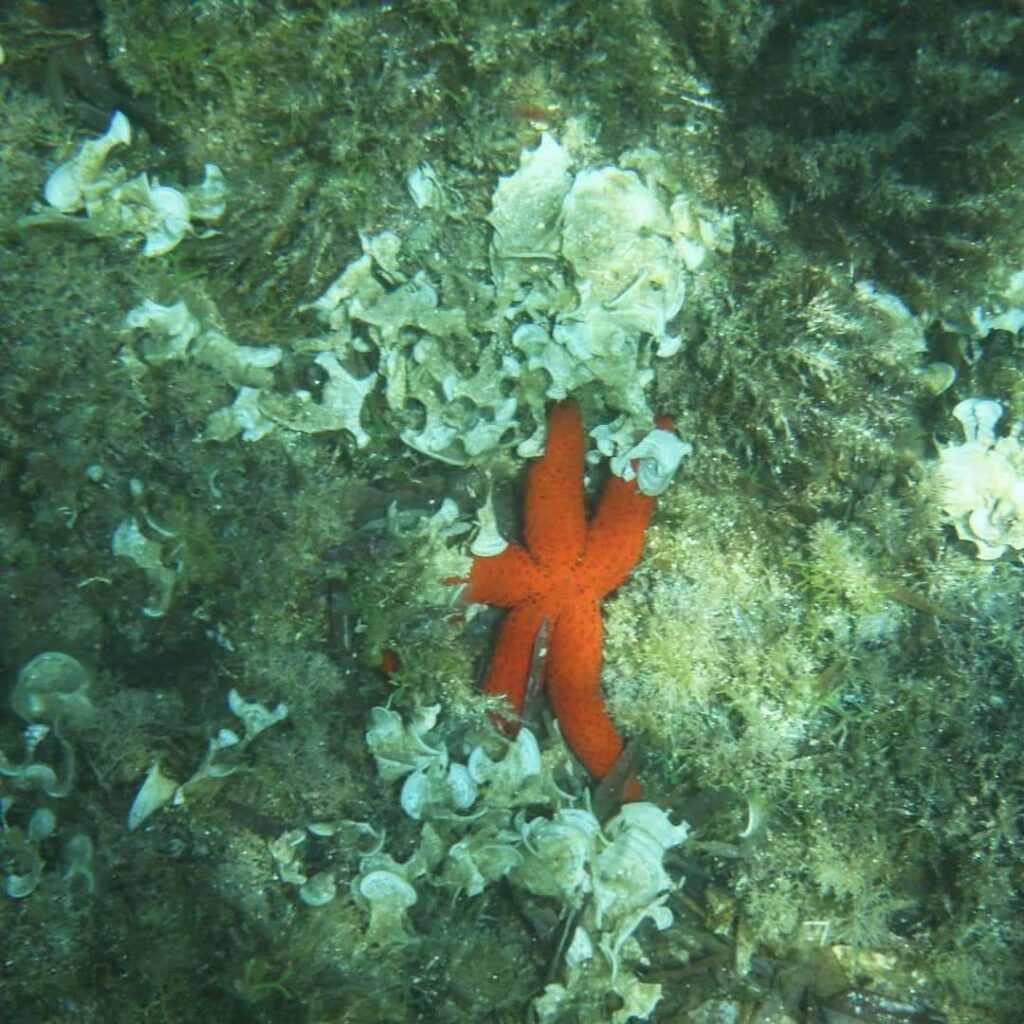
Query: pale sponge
981, 482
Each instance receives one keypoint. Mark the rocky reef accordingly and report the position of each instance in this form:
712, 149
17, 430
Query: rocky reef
288, 292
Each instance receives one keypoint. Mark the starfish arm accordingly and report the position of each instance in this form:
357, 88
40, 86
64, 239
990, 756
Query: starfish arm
616, 535
503, 580
513, 654
573, 675
555, 521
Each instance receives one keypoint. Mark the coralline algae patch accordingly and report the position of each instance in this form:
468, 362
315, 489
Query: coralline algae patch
717, 653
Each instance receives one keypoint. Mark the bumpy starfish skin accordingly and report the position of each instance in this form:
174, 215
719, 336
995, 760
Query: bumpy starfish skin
560, 576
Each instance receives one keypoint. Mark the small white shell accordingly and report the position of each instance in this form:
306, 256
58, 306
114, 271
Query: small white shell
425, 188
580, 950
155, 792
488, 542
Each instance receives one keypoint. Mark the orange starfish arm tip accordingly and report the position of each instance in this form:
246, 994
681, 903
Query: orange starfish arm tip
573, 673
556, 525
616, 536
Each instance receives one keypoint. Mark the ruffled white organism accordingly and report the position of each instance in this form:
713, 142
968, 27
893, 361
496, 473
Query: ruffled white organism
653, 461
558, 855
509, 781
520, 826
51, 696
129, 542
387, 896
173, 332
588, 271
83, 177
980, 483
53, 688
169, 329
433, 786
339, 408
113, 207
425, 188
223, 758
400, 748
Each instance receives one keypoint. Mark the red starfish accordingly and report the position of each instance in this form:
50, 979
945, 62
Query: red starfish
559, 577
